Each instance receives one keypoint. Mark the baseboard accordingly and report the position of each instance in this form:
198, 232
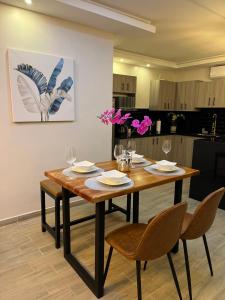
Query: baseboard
36, 213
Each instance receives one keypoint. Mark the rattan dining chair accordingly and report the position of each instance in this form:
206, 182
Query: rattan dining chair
197, 224
143, 242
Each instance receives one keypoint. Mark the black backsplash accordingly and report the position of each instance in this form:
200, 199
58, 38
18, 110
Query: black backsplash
193, 123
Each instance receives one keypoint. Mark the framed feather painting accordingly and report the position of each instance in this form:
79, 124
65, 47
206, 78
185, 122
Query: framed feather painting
42, 87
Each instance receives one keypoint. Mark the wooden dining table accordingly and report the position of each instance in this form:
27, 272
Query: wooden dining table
142, 180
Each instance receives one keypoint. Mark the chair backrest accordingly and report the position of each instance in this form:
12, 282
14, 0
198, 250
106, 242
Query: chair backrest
204, 215
162, 233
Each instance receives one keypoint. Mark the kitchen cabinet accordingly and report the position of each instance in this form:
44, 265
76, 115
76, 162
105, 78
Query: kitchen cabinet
183, 150
162, 95
186, 95
124, 84
211, 94
150, 147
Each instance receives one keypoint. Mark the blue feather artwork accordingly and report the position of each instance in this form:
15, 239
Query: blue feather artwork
35, 75
65, 86
46, 95
55, 73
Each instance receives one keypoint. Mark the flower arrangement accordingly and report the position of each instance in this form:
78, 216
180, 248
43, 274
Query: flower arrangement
175, 117
113, 116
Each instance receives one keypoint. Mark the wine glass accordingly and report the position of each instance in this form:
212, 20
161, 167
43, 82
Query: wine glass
166, 146
131, 146
118, 150
70, 153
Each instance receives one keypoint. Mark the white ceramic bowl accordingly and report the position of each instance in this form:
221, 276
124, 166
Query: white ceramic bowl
137, 158
166, 165
84, 165
114, 176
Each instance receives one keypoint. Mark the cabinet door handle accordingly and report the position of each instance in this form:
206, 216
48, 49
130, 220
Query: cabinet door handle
209, 102
181, 140
185, 105
214, 99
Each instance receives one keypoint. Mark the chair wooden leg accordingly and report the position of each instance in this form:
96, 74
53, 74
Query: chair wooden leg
145, 265
187, 268
43, 213
207, 254
57, 223
138, 273
128, 207
108, 263
174, 275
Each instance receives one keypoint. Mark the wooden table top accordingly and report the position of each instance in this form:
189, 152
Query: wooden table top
142, 180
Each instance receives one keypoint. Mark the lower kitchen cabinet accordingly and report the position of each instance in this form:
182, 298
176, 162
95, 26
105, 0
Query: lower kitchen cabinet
151, 147
183, 150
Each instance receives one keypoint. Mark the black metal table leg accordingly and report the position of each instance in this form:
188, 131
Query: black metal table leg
136, 207
177, 199
110, 205
66, 221
128, 207
43, 212
57, 223
99, 248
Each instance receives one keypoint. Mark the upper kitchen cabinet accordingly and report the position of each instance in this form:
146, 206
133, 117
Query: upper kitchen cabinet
186, 95
124, 84
211, 94
162, 95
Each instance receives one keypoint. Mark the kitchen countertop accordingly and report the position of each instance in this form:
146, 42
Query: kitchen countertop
161, 134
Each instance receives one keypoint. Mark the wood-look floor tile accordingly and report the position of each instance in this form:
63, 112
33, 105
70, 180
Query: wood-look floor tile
32, 269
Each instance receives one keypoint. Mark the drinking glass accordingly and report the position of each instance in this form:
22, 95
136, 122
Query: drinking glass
70, 153
118, 150
166, 146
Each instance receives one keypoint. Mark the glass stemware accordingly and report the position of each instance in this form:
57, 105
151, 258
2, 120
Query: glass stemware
70, 153
166, 146
131, 146
118, 150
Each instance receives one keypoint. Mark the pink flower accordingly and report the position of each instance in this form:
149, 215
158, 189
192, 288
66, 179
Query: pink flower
123, 119
135, 123
147, 121
115, 117
142, 127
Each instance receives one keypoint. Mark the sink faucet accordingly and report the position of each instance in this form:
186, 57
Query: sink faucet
213, 131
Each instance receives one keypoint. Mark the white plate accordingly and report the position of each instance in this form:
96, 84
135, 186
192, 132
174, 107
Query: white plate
166, 163
106, 181
139, 161
80, 170
161, 169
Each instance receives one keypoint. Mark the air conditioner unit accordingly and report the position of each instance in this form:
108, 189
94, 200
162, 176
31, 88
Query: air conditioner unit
216, 72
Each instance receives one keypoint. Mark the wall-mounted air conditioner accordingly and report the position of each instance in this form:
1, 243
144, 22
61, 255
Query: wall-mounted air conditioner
216, 72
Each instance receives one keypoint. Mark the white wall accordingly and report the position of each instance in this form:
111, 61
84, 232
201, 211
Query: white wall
27, 150
144, 75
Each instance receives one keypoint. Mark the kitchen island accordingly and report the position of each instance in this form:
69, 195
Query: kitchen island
209, 158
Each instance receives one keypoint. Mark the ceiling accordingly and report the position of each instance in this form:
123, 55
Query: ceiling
188, 32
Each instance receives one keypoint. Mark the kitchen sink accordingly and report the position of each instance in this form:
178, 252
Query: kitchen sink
209, 135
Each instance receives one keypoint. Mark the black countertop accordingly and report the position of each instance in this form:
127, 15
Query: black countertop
136, 136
